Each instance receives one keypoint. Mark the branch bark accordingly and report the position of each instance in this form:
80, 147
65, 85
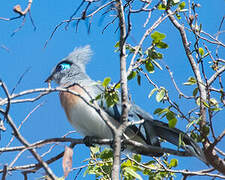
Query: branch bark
25, 143
210, 153
124, 93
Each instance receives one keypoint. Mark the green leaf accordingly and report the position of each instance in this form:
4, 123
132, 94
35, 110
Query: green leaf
127, 163
111, 98
216, 109
205, 104
106, 154
161, 45
107, 168
160, 94
191, 123
132, 75
154, 55
195, 92
94, 149
130, 48
213, 102
149, 67
195, 136
191, 81
131, 172
157, 36
161, 7
170, 115
198, 101
178, 16
173, 163
106, 82
160, 56
117, 86
117, 44
157, 64
160, 111
206, 130
152, 92
201, 51
172, 122
137, 157
86, 172
180, 141
182, 5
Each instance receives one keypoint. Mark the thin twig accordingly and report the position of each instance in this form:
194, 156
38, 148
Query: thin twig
189, 173
24, 142
29, 114
147, 32
20, 79
71, 19
5, 170
210, 154
175, 85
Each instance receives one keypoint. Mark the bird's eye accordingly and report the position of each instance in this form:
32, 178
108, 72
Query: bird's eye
63, 66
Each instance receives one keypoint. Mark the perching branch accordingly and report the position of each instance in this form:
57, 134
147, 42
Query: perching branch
124, 93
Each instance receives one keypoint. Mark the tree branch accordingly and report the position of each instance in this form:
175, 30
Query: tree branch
124, 93
210, 154
25, 143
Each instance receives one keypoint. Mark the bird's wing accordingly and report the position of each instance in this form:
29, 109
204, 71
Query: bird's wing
139, 130
172, 135
151, 130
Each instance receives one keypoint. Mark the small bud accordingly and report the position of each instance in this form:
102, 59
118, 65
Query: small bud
198, 5
17, 9
191, 18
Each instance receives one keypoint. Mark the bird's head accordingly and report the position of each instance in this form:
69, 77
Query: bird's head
71, 68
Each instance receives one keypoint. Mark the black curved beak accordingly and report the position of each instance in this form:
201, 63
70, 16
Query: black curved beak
49, 79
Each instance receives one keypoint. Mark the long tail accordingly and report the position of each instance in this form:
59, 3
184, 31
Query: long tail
173, 135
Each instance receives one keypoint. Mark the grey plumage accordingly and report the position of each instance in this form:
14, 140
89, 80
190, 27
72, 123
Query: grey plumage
72, 70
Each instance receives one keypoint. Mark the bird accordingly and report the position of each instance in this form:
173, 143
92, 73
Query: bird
70, 73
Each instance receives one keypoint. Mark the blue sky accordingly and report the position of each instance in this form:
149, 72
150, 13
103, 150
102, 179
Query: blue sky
26, 50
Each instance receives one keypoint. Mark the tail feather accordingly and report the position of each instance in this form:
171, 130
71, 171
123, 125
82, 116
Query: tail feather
173, 135
153, 129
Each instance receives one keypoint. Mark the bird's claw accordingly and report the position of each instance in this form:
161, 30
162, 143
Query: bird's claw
88, 141
123, 145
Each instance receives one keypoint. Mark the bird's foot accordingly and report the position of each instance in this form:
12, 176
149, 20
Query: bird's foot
123, 145
88, 141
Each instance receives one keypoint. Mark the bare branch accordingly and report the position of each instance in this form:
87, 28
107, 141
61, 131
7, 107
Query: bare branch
11, 140
117, 134
20, 79
210, 154
4, 172
175, 85
214, 76
24, 142
22, 13
18, 9
84, 16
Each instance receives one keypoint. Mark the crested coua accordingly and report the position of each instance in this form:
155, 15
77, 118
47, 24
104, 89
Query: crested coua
70, 73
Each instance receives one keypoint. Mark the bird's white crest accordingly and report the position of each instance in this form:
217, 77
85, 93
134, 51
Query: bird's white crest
80, 56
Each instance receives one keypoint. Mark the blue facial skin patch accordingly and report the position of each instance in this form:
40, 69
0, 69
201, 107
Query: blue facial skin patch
65, 66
